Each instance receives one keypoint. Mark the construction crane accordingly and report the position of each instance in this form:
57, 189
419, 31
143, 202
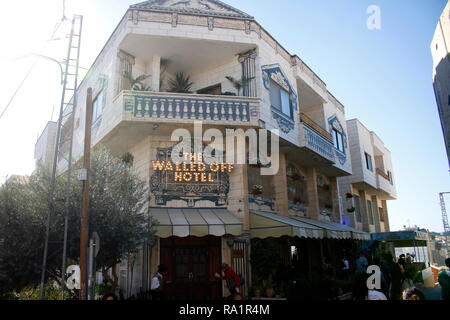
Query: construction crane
445, 221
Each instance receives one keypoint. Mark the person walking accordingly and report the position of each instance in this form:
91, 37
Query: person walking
232, 280
444, 281
158, 282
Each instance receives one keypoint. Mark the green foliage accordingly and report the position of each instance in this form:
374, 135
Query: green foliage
265, 257
181, 83
128, 158
239, 84
135, 83
117, 212
51, 292
103, 289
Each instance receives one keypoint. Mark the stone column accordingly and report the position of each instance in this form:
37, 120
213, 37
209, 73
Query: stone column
238, 195
364, 213
335, 199
155, 72
386, 216
376, 214
313, 196
280, 188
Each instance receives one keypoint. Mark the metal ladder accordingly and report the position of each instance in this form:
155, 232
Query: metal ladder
445, 221
66, 121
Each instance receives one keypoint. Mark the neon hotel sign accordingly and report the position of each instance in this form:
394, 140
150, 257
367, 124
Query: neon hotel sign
194, 171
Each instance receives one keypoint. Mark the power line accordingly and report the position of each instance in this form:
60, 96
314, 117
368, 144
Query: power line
31, 68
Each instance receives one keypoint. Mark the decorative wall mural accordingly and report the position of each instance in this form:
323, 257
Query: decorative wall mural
188, 182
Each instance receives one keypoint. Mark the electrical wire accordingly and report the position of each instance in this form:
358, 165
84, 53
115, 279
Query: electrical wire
55, 29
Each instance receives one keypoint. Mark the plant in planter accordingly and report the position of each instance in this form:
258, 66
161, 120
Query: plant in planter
328, 206
228, 93
348, 195
239, 84
128, 158
295, 176
135, 83
327, 187
352, 209
268, 285
180, 84
257, 189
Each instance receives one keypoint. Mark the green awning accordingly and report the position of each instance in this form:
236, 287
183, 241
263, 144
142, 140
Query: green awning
265, 225
197, 222
336, 230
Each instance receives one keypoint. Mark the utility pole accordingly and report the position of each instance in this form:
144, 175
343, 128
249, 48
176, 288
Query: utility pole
84, 231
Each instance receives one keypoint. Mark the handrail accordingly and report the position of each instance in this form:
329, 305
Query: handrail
313, 125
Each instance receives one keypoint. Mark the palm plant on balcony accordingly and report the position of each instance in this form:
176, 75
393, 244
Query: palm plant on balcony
135, 83
257, 190
181, 83
239, 84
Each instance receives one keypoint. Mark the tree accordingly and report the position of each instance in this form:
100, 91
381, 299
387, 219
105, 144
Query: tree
118, 213
239, 84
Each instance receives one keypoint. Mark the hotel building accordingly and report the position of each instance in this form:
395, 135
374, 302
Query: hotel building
215, 219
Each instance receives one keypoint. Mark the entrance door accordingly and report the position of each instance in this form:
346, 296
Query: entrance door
192, 263
191, 276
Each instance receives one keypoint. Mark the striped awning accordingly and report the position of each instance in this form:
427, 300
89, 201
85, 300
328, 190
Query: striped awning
265, 225
197, 222
336, 230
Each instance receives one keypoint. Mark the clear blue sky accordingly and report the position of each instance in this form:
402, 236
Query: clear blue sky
383, 77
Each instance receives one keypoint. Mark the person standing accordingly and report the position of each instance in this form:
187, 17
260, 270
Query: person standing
157, 284
444, 281
361, 263
232, 280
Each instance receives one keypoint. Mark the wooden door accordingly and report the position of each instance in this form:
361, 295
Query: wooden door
192, 264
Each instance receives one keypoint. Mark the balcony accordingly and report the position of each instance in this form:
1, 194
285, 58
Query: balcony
385, 185
185, 108
315, 138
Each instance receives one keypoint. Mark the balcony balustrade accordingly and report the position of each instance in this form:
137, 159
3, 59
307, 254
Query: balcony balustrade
176, 107
316, 138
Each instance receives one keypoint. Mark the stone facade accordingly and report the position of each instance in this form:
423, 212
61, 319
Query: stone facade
440, 52
210, 43
371, 184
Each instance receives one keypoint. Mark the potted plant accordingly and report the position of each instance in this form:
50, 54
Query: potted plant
128, 158
328, 206
327, 187
268, 284
135, 83
295, 176
181, 83
352, 209
239, 84
348, 195
257, 189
